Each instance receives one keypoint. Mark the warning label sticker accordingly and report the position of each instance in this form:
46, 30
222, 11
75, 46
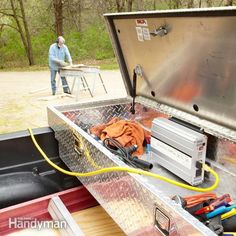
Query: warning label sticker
141, 22
143, 34
146, 34
139, 34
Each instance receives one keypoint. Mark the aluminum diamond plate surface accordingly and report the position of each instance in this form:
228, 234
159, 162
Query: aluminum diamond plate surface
131, 200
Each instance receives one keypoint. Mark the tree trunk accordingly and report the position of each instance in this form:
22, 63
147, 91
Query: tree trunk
80, 16
22, 35
74, 9
177, 4
129, 5
190, 3
229, 3
154, 4
27, 34
120, 5
200, 4
58, 11
140, 5
209, 3
1, 28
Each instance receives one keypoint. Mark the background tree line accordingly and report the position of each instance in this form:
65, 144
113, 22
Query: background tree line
28, 27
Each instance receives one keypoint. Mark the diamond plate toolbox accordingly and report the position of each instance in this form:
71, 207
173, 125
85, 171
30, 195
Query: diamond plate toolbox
133, 201
178, 64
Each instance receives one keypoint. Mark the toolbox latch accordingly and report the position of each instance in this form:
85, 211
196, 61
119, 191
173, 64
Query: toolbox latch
162, 222
161, 31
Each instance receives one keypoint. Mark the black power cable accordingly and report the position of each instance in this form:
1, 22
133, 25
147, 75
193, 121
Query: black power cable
125, 153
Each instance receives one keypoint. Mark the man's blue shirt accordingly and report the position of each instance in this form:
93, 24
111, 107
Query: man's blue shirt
56, 53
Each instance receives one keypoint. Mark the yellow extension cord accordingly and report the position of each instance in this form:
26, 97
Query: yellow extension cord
127, 169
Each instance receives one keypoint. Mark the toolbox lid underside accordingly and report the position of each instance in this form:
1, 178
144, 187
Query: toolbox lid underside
187, 59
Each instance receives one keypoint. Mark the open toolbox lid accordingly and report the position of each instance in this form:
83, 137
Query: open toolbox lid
183, 58
186, 59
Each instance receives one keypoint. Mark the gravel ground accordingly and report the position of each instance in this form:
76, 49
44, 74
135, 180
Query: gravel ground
26, 95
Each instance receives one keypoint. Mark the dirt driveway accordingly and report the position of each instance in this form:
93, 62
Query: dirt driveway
23, 105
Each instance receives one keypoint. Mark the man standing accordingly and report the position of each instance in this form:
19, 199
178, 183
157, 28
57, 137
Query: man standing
58, 54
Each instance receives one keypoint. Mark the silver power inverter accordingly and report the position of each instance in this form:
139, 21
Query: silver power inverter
179, 149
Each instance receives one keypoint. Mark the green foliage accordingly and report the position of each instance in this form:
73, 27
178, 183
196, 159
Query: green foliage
162, 6
40, 44
72, 41
11, 49
93, 43
109, 64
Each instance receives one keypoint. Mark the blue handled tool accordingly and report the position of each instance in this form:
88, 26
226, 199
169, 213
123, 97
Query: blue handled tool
219, 211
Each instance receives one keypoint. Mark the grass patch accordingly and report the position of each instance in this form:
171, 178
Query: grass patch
7, 123
106, 64
24, 68
110, 64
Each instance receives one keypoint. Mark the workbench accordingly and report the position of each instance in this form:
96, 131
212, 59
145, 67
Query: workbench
79, 73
